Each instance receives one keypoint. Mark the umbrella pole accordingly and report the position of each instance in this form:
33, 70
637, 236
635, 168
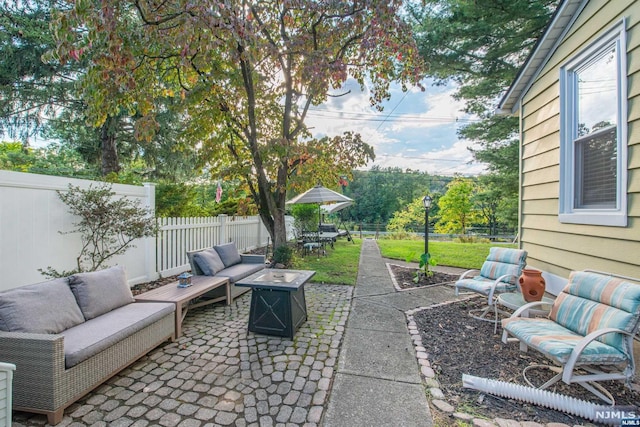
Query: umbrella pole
349, 238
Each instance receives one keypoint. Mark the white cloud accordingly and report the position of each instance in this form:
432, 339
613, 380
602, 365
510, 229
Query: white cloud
455, 159
416, 130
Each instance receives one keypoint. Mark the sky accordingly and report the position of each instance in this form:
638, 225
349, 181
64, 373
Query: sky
416, 130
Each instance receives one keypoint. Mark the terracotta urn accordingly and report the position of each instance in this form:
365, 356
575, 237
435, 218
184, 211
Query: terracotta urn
532, 284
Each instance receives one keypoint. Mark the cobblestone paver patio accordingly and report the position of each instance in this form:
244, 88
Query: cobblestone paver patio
219, 374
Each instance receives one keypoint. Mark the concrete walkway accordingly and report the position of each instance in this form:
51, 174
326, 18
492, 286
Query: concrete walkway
378, 378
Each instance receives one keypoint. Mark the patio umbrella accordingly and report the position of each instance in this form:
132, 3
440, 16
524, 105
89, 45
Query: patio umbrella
335, 207
320, 195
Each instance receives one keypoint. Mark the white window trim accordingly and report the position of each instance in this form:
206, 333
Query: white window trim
567, 213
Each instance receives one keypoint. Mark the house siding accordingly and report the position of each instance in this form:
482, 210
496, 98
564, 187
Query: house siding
555, 247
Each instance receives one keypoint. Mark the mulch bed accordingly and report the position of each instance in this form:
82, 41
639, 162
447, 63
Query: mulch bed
405, 277
458, 344
144, 287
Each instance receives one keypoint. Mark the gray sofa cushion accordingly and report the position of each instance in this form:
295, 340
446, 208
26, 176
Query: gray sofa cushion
46, 308
228, 254
88, 339
240, 271
99, 292
253, 258
209, 261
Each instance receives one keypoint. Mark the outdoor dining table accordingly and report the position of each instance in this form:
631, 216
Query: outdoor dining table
323, 237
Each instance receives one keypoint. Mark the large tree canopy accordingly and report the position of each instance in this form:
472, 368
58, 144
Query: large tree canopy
248, 71
457, 209
480, 45
42, 99
30, 90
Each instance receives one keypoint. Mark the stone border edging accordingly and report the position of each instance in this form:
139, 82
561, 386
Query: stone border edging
393, 277
414, 288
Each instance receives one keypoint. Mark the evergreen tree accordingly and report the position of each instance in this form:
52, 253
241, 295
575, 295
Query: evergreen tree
480, 45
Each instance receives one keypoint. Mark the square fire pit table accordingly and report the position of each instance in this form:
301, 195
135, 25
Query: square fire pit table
278, 306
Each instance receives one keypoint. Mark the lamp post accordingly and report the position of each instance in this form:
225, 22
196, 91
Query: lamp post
426, 201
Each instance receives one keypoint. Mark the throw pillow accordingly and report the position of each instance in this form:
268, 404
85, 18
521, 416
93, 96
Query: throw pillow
43, 308
228, 254
99, 292
208, 261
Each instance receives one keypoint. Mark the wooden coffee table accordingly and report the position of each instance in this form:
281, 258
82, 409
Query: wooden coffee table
182, 296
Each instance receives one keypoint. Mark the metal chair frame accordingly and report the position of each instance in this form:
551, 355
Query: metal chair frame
570, 373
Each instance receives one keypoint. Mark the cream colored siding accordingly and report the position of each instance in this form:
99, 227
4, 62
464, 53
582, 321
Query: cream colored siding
634, 109
633, 61
540, 222
540, 207
559, 247
540, 146
540, 101
634, 133
557, 259
542, 126
540, 191
541, 168
634, 182
592, 246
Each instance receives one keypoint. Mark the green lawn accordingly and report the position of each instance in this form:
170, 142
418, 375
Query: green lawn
340, 266
464, 255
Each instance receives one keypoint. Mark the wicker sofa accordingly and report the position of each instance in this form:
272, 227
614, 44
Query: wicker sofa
67, 336
225, 261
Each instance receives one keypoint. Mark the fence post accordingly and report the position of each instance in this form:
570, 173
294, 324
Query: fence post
223, 229
150, 243
259, 232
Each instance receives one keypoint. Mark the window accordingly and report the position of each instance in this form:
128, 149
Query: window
593, 133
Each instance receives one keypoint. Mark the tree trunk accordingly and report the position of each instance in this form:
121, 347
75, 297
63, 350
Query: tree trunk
109, 147
279, 229
274, 221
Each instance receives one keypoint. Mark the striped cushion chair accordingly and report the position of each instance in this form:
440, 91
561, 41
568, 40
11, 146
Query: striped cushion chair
499, 273
591, 324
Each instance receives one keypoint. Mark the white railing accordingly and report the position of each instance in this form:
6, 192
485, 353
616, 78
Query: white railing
179, 235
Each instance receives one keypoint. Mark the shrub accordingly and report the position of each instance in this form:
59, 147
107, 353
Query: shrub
401, 235
471, 239
107, 226
282, 255
305, 217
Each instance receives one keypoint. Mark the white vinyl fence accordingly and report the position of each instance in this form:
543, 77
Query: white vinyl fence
32, 218
179, 235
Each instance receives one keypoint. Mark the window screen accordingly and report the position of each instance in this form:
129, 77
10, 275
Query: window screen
596, 177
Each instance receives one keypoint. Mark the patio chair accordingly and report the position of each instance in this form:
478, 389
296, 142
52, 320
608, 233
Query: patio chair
588, 334
499, 273
312, 242
299, 239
